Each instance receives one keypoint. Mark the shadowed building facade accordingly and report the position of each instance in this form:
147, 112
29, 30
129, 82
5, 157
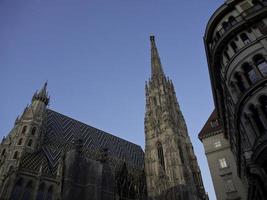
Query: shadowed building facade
172, 171
236, 49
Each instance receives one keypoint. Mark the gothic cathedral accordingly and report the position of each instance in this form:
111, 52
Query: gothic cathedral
172, 171
50, 156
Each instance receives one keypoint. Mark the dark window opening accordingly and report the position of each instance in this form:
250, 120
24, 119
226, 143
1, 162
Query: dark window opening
261, 63
181, 154
41, 192
263, 104
244, 37
33, 130
30, 143
239, 83
17, 190
16, 154
225, 26
232, 20
250, 74
3, 152
28, 191
24, 129
161, 155
20, 141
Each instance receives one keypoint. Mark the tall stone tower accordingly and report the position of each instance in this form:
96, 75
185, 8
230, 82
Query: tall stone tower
25, 137
172, 171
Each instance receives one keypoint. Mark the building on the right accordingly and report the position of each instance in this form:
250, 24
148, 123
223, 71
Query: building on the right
221, 161
236, 49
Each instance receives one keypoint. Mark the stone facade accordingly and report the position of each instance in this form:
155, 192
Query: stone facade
221, 161
236, 49
171, 166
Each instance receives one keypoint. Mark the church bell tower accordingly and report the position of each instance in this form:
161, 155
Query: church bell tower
172, 171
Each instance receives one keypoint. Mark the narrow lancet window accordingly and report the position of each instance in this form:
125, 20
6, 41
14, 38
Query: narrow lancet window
161, 155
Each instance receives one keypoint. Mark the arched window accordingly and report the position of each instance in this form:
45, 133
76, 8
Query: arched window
225, 26
232, 20
239, 82
244, 37
261, 63
256, 118
16, 155
33, 130
30, 143
50, 193
41, 192
20, 141
24, 129
28, 191
250, 74
3, 152
234, 47
17, 190
161, 155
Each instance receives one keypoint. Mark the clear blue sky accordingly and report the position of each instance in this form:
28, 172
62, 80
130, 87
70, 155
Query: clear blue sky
95, 55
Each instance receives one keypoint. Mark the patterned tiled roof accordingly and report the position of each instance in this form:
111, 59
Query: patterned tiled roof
208, 129
62, 131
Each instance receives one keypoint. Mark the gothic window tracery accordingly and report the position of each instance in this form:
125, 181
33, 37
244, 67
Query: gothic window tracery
16, 155
20, 141
33, 130
30, 143
161, 155
24, 129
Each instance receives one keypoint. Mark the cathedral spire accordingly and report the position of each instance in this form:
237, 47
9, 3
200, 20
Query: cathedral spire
42, 95
156, 68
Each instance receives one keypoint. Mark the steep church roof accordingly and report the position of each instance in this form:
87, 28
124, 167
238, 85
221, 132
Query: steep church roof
60, 133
